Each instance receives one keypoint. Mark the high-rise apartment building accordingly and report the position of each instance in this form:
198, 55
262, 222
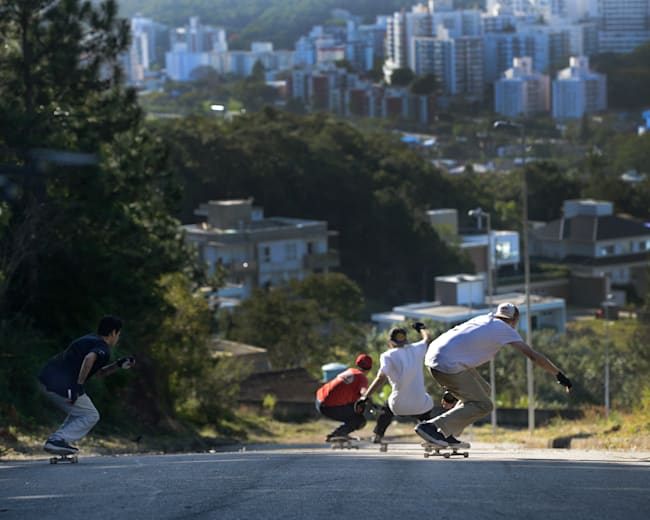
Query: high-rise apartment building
522, 92
578, 91
623, 24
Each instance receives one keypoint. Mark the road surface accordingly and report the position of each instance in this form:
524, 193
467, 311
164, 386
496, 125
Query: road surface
315, 482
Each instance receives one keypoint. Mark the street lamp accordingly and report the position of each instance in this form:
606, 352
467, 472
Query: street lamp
607, 315
524, 211
479, 213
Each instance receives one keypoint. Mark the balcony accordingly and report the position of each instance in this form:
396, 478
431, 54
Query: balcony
322, 261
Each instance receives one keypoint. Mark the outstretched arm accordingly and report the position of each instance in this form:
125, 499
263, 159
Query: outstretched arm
542, 361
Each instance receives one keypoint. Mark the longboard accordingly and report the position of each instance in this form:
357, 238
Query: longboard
62, 455
72, 459
344, 442
434, 450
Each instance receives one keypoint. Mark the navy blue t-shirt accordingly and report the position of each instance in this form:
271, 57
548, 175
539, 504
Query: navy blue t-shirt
62, 370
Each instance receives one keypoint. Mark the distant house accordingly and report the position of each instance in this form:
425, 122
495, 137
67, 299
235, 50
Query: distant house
292, 391
592, 241
462, 297
256, 251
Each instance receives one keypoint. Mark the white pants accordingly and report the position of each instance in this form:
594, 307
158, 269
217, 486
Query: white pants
82, 416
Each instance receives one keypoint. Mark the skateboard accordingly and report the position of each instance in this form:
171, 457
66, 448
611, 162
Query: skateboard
63, 456
434, 450
72, 459
344, 442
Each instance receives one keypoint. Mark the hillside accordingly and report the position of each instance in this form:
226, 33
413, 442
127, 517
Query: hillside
279, 21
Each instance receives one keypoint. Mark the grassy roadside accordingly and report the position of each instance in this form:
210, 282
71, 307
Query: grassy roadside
629, 432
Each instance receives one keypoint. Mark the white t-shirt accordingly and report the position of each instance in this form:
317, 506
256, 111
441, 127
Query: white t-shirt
404, 369
469, 344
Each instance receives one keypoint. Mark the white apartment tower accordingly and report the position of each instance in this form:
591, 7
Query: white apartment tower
578, 91
522, 91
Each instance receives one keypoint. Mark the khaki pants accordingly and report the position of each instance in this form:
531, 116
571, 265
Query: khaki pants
473, 393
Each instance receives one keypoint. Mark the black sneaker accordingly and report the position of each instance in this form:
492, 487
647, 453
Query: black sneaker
377, 439
430, 433
455, 443
59, 446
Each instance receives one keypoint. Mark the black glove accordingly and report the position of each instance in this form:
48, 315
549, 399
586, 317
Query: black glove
126, 362
360, 405
418, 326
75, 391
563, 380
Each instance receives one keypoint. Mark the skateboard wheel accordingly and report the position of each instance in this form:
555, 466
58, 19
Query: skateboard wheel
52, 460
446, 455
383, 447
465, 454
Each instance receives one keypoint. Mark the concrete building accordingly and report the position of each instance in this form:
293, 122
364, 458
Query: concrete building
578, 91
623, 24
147, 37
522, 92
592, 241
458, 300
457, 63
502, 48
256, 251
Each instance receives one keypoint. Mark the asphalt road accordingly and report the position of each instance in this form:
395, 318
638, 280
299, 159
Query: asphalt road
314, 482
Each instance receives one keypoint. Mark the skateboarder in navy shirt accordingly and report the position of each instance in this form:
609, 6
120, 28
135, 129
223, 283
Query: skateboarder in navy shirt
336, 399
64, 375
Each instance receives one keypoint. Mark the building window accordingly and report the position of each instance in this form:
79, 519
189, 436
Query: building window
606, 250
503, 250
644, 245
291, 251
266, 255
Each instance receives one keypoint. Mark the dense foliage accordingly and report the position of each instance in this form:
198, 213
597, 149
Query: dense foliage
371, 189
628, 77
88, 228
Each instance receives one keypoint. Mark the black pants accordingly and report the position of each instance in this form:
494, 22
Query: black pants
351, 421
385, 417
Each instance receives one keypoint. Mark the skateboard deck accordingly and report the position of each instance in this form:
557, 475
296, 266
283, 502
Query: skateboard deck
72, 459
344, 442
62, 456
434, 450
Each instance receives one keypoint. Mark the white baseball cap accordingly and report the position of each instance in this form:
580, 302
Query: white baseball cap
507, 311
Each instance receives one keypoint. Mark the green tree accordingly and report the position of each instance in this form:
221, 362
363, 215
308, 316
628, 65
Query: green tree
88, 238
302, 323
425, 85
402, 77
368, 186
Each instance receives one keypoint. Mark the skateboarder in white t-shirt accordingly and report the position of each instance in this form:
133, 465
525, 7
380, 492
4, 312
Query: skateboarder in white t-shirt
402, 366
452, 359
